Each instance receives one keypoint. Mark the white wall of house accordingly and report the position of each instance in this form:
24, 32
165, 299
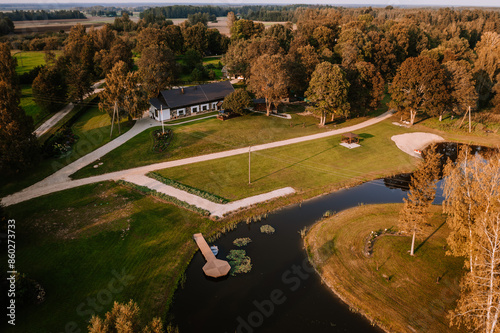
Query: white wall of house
164, 115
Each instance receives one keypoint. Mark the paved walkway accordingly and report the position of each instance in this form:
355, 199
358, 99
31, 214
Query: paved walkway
60, 180
215, 209
47, 125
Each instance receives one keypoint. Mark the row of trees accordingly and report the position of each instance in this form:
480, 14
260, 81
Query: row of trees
41, 15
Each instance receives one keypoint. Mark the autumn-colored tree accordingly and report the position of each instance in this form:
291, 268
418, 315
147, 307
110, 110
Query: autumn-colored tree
195, 37
419, 85
241, 54
487, 65
19, 149
302, 62
496, 99
103, 38
119, 51
216, 42
462, 86
50, 89
124, 318
382, 54
416, 206
122, 96
237, 101
246, 29
472, 190
367, 86
328, 91
269, 79
157, 68
282, 33
231, 18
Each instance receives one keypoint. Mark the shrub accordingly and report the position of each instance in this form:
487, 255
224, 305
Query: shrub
267, 229
239, 262
242, 241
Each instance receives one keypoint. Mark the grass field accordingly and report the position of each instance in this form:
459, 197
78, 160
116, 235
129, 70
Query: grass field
27, 60
29, 106
392, 288
92, 128
72, 242
321, 163
208, 136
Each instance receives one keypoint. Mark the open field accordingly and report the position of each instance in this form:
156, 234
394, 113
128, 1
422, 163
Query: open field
92, 129
208, 136
75, 243
306, 166
393, 289
27, 60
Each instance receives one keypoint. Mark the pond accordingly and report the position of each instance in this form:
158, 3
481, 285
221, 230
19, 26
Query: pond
280, 294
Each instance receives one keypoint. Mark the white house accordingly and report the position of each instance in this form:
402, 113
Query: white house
189, 100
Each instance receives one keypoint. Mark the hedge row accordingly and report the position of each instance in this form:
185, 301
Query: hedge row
163, 196
187, 188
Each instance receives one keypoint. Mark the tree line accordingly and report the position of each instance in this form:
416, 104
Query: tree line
40, 15
431, 66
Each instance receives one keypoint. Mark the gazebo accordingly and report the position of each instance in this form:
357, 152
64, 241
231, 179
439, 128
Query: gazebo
350, 138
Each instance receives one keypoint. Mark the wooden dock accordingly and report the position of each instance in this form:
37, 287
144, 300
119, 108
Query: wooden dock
214, 267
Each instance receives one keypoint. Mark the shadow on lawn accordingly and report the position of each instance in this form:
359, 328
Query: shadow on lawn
291, 165
428, 237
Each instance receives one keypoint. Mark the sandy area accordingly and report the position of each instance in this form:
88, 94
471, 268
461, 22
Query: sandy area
410, 141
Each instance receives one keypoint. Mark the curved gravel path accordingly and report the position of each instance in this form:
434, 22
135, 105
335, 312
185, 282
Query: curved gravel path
60, 180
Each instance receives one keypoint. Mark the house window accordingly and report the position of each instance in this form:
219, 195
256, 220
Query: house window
194, 109
214, 106
181, 112
204, 107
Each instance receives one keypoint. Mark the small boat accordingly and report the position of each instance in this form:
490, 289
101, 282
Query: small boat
417, 151
215, 249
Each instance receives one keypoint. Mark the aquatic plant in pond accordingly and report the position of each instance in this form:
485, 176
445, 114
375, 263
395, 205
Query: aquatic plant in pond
239, 262
267, 229
242, 241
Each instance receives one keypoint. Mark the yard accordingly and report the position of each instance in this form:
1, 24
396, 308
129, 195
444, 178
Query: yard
307, 166
75, 243
209, 136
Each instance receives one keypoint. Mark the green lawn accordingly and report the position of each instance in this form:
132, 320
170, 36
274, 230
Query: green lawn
311, 165
71, 242
29, 106
92, 128
27, 60
208, 136
391, 287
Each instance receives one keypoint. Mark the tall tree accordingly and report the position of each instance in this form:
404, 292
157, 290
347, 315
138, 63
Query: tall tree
119, 51
195, 37
302, 62
231, 18
421, 195
50, 89
18, 145
487, 65
122, 96
157, 69
419, 85
367, 87
476, 231
462, 86
269, 79
246, 29
328, 91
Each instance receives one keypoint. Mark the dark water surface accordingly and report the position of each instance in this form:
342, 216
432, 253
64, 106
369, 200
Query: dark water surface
280, 294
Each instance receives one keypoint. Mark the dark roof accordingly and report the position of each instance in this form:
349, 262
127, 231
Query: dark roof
176, 98
350, 135
157, 103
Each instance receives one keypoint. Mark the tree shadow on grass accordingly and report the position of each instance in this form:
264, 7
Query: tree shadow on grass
428, 237
364, 136
291, 165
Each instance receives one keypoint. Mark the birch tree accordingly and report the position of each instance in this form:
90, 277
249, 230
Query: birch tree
414, 214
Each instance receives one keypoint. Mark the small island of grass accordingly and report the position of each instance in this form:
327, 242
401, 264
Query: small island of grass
398, 292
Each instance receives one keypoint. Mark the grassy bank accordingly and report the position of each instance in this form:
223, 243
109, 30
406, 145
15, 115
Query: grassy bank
72, 242
393, 289
209, 136
307, 166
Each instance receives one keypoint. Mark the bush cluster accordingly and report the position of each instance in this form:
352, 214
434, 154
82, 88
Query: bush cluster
161, 140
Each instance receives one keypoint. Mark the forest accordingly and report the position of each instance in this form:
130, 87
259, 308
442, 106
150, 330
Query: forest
38, 15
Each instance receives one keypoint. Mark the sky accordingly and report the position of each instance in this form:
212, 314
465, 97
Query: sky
451, 3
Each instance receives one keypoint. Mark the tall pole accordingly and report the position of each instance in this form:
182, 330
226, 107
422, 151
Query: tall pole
113, 121
249, 150
469, 120
162, 125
